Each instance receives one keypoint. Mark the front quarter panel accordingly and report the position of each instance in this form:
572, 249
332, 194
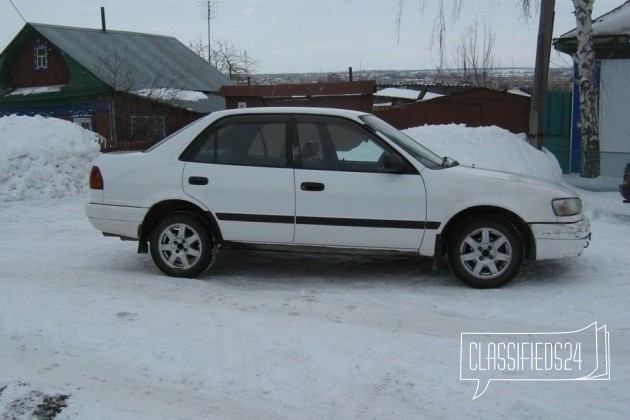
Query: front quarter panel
454, 190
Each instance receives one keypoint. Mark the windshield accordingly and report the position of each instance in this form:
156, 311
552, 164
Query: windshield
421, 153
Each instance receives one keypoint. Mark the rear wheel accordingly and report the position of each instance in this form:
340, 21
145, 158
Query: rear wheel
485, 251
182, 246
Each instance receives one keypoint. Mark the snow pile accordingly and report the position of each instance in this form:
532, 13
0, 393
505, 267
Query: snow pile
44, 157
489, 148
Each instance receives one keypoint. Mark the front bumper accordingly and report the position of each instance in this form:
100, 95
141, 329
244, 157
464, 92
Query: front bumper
561, 240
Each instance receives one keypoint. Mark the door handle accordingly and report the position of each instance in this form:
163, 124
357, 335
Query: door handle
312, 186
198, 180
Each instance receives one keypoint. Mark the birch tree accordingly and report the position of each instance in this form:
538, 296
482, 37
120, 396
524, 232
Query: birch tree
585, 61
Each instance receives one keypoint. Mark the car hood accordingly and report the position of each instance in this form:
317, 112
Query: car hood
512, 177
455, 189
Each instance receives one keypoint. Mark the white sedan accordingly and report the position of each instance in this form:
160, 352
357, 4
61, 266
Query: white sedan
333, 179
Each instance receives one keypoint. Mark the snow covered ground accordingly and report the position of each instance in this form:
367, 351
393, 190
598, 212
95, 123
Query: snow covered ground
95, 327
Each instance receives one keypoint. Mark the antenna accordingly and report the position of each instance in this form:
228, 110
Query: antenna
212, 12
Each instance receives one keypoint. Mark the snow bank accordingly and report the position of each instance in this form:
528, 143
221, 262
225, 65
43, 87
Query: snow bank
44, 157
488, 147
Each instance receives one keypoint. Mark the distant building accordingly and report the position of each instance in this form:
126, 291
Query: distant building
475, 107
611, 39
126, 86
357, 95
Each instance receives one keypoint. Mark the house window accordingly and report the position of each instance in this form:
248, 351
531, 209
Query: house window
40, 55
147, 128
84, 122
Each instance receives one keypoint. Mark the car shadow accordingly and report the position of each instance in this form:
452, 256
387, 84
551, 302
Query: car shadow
237, 265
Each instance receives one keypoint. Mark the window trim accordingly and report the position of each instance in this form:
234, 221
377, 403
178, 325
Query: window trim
296, 118
292, 146
84, 120
40, 55
189, 152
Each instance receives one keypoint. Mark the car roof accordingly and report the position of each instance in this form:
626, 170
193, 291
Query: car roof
290, 110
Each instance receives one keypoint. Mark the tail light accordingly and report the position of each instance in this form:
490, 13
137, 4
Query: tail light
96, 179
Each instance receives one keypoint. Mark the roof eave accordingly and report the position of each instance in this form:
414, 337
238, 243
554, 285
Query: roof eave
568, 45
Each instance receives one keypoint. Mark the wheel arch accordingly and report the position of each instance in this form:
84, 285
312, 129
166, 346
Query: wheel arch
164, 208
522, 227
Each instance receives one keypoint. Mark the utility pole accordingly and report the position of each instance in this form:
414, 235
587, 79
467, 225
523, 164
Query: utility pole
541, 72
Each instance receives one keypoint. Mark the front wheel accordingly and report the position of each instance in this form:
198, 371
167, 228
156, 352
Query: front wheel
485, 251
182, 246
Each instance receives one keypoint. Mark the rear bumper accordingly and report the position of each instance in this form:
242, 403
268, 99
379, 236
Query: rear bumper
624, 190
561, 240
116, 220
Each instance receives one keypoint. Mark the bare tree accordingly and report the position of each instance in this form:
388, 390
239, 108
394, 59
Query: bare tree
474, 61
227, 57
118, 69
132, 82
232, 61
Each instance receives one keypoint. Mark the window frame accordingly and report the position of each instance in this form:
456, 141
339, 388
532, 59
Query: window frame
84, 122
40, 55
325, 119
188, 155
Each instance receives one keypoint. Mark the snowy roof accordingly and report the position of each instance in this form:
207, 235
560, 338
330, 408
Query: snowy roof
615, 22
187, 99
399, 93
517, 91
147, 54
611, 31
431, 95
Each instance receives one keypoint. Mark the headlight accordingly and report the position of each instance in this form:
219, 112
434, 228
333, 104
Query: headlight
567, 206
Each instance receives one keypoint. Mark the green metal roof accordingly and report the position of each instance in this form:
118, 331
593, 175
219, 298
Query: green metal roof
151, 58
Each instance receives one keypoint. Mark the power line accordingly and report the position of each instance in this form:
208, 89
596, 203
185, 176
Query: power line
17, 10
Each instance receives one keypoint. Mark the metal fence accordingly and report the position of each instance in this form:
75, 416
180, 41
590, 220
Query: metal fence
108, 146
612, 164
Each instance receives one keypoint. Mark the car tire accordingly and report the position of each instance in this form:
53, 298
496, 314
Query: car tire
485, 251
183, 246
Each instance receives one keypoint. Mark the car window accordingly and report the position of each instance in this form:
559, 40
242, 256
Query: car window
312, 147
245, 143
335, 144
354, 145
421, 153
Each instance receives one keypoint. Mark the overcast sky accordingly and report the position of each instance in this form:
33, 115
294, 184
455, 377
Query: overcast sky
288, 36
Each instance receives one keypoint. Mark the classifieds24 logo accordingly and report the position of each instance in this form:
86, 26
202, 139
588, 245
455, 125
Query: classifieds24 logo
548, 356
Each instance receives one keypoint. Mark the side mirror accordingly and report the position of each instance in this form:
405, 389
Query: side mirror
393, 163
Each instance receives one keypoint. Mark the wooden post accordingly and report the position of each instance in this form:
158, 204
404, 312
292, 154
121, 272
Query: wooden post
541, 72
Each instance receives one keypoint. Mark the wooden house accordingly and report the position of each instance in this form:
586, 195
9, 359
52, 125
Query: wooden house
126, 86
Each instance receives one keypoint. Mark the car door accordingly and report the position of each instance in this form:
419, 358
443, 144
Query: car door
343, 195
240, 169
